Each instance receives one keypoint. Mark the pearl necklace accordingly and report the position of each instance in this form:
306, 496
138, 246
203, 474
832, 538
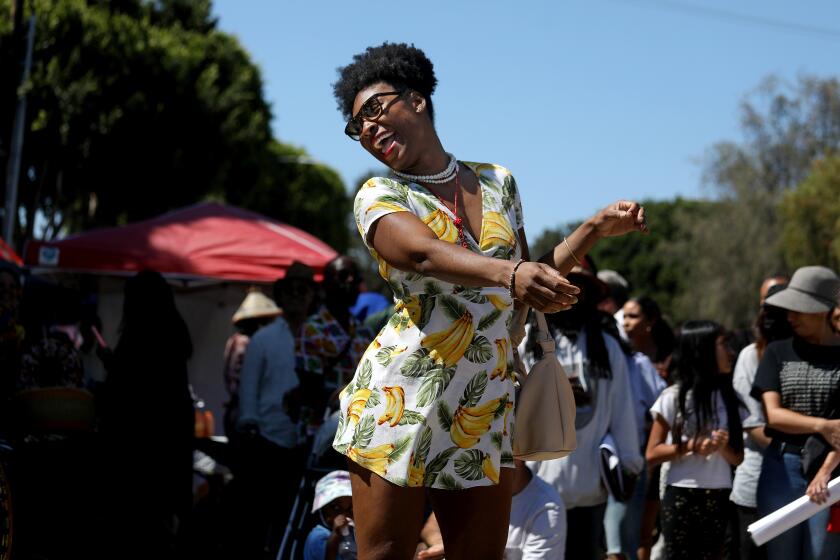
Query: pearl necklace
437, 178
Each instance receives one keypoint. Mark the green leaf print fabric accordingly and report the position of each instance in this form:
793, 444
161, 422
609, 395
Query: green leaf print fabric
432, 398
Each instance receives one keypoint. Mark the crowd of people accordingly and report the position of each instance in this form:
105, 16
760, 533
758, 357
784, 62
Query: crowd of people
709, 427
683, 411
684, 435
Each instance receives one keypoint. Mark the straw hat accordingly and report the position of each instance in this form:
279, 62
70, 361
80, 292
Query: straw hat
255, 306
813, 289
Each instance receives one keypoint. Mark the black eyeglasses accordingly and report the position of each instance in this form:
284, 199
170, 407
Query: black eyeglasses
371, 109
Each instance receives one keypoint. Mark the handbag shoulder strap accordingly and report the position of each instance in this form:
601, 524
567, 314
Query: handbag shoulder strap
544, 338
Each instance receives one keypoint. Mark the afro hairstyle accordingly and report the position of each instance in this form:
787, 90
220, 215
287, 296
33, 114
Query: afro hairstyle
401, 65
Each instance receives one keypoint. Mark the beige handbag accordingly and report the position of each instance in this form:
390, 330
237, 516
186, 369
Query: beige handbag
545, 411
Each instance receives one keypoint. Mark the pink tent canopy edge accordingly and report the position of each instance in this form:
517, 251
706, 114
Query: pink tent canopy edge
8, 254
206, 240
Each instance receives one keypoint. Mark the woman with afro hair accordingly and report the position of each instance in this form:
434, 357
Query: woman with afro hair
429, 411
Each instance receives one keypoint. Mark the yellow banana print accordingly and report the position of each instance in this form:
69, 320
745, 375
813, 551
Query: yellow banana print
410, 307
470, 423
489, 470
488, 166
416, 473
376, 459
443, 227
460, 437
357, 404
498, 302
490, 407
395, 399
496, 231
445, 319
501, 359
379, 452
384, 268
475, 426
448, 346
385, 206
508, 408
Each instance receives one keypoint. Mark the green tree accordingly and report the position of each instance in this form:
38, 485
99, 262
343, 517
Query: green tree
301, 192
811, 216
131, 114
729, 251
136, 107
706, 259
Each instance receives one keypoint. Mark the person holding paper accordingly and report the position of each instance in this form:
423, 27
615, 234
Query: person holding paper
693, 420
796, 380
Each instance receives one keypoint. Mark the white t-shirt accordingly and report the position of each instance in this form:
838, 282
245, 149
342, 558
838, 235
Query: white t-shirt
745, 485
692, 470
577, 477
537, 527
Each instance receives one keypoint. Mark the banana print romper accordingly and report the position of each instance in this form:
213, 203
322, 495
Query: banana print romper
431, 402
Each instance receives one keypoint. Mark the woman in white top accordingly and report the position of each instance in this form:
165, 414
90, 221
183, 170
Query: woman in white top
693, 420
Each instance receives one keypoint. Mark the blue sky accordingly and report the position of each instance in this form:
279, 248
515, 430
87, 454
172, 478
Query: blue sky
586, 101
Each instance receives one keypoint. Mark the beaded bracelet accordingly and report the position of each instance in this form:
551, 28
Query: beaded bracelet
511, 289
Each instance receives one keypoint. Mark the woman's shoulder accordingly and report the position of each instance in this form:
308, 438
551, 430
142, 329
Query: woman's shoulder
670, 393
384, 184
379, 196
666, 404
749, 351
489, 170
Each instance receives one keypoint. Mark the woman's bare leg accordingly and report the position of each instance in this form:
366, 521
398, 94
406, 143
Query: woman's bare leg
388, 517
474, 522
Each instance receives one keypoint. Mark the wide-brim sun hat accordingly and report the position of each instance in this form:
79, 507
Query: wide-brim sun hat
332, 486
256, 306
813, 289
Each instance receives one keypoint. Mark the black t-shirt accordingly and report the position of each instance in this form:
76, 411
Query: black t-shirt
805, 375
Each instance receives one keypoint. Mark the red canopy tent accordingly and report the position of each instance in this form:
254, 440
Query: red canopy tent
202, 241
8, 254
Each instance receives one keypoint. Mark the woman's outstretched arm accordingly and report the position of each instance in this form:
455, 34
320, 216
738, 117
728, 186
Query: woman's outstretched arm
616, 219
408, 244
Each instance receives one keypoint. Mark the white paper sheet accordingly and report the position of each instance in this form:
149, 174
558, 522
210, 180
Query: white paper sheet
776, 523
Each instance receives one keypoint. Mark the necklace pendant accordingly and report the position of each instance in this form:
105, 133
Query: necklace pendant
458, 221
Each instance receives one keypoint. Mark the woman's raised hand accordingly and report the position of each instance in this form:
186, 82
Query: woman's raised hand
543, 288
619, 218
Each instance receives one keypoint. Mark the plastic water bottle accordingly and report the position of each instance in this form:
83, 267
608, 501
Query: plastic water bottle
347, 548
